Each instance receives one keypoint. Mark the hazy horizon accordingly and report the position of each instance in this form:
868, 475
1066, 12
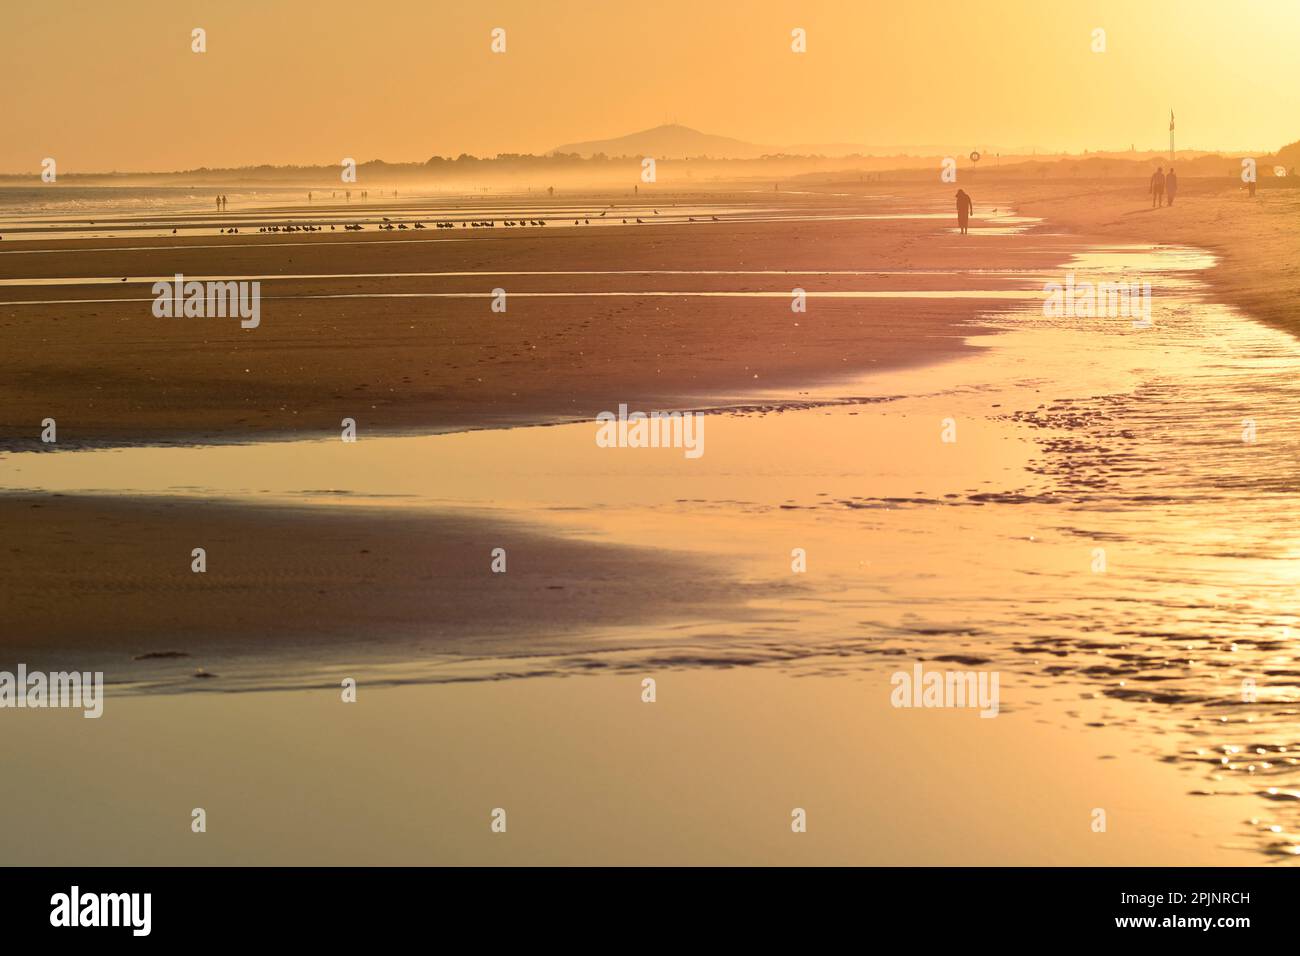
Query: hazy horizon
901, 152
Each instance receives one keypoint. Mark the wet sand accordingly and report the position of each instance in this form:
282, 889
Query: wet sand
110, 371
106, 583
1256, 240
919, 551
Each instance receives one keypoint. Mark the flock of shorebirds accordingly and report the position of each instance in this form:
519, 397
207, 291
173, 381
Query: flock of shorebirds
388, 224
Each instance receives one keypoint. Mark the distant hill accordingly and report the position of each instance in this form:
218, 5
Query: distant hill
669, 142
674, 141
1289, 155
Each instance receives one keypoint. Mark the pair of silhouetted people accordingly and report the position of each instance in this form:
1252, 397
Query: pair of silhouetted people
964, 208
1164, 187
1157, 187
221, 203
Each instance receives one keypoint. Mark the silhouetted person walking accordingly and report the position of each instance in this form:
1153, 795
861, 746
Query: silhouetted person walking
964, 208
1157, 187
1171, 187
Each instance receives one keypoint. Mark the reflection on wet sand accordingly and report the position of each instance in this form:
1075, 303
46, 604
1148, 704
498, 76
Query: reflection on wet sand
1076, 437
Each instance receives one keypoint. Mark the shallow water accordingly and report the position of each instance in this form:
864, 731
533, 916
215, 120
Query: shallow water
1073, 435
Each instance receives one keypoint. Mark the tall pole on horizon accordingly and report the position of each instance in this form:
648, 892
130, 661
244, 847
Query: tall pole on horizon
1171, 135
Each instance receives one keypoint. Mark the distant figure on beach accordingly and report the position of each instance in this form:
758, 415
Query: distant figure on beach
964, 207
1171, 187
309, 197
1157, 187
218, 204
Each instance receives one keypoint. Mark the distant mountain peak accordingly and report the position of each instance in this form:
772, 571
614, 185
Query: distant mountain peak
670, 141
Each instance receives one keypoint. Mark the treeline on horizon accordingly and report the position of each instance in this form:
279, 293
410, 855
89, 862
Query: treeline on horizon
566, 167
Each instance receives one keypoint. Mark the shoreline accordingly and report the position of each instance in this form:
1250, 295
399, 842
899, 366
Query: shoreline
1255, 242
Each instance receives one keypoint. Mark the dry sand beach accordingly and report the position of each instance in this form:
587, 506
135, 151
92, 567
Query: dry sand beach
372, 560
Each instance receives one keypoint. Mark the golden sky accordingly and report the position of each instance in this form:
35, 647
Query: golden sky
112, 84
